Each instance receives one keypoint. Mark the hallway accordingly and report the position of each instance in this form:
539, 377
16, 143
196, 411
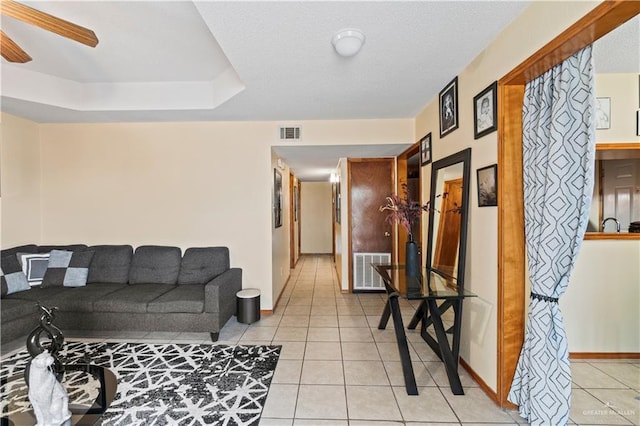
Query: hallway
338, 369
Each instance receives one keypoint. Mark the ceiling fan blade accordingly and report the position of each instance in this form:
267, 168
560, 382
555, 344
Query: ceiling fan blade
49, 22
11, 51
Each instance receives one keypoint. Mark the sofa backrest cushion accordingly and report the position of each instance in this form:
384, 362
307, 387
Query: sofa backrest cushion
110, 264
29, 248
201, 264
68, 247
155, 265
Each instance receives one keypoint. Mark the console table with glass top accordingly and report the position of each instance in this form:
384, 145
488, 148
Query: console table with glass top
437, 293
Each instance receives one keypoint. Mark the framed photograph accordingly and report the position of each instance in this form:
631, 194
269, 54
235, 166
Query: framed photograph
338, 202
488, 186
449, 108
296, 195
277, 198
485, 111
603, 113
425, 150
638, 122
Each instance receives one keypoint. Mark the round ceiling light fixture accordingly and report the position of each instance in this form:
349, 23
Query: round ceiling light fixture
348, 42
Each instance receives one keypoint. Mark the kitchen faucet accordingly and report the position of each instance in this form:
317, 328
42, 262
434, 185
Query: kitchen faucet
615, 220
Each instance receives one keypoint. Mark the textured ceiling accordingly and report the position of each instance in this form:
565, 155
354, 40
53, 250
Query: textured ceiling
264, 60
160, 60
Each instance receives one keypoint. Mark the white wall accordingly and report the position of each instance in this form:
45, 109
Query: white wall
20, 181
536, 26
183, 184
280, 247
316, 218
600, 306
623, 91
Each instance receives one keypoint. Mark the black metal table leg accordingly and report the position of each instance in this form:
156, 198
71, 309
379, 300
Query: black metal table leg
450, 364
384, 319
418, 315
403, 346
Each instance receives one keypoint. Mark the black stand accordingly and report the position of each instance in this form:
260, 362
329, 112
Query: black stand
427, 314
392, 308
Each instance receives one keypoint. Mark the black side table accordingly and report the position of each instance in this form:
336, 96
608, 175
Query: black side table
431, 289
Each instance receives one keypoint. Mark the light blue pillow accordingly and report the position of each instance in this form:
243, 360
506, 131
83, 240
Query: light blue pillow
34, 266
15, 281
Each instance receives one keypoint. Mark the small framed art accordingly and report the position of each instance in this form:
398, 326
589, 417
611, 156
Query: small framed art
603, 113
277, 198
485, 111
449, 108
488, 186
425, 150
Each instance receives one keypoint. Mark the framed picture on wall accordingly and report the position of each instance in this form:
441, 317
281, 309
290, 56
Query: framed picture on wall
338, 196
485, 111
603, 113
425, 150
488, 186
277, 198
296, 195
449, 108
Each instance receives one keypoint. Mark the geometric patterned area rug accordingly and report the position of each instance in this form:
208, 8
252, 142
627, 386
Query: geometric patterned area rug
162, 384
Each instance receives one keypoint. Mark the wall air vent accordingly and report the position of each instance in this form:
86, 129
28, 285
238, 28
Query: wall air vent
289, 133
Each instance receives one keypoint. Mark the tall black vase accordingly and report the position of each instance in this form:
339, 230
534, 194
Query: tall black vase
412, 260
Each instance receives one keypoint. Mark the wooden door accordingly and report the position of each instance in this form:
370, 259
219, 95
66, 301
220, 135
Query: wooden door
445, 258
370, 182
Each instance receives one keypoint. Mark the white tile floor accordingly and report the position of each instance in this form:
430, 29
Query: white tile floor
337, 369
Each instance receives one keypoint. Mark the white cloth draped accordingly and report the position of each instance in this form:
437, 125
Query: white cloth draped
558, 163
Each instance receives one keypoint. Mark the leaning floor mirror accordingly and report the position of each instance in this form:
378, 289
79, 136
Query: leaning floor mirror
448, 218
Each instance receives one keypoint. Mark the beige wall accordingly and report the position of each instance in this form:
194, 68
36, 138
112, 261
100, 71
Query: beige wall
536, 26
20, 181
600, 306
623, 91
316, 218
183, 184
280, 247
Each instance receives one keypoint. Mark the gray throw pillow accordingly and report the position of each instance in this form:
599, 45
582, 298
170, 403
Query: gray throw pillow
12, 277
67, 268
34, 266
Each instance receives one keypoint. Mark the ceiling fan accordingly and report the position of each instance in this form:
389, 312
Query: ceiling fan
14, 53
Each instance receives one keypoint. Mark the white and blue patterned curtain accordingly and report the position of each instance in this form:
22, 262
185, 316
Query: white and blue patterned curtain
558, 162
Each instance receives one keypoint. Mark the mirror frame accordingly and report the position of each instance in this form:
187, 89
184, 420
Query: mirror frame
463, 157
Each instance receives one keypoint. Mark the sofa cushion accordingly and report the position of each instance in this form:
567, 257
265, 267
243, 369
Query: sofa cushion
81, 299
110, 264
183, 298
67, 268
155, 264
12, 278
34, 266
11, 309
44, 295
201, 264
131, 298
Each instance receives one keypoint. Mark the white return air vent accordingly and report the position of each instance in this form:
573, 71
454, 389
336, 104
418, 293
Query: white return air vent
364, 276
290, 134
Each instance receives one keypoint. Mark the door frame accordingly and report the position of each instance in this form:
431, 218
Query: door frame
605, 17
400, 235
350, 210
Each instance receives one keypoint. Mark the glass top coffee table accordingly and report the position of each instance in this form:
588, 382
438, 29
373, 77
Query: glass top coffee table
438, 293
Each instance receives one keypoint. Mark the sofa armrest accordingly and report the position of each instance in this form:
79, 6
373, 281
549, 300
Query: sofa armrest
220, 294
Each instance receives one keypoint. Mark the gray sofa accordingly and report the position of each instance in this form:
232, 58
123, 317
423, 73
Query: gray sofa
155, 288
